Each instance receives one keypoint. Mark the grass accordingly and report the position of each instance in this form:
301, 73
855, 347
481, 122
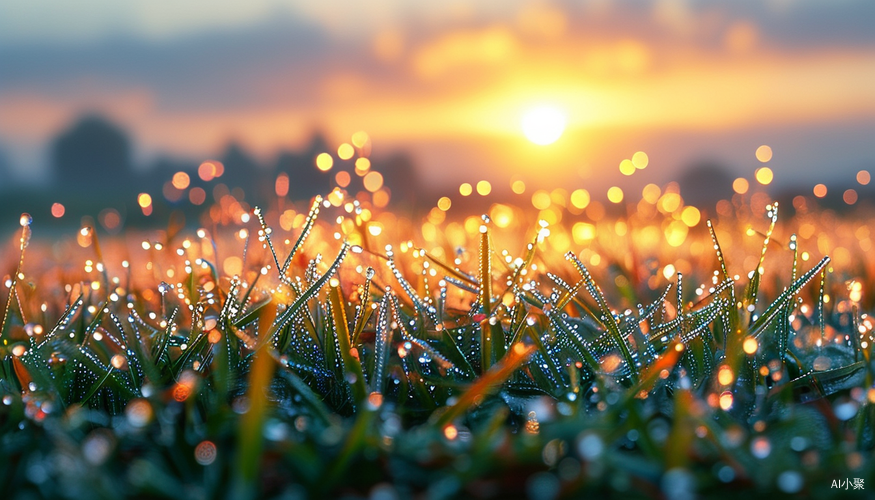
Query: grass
396, 372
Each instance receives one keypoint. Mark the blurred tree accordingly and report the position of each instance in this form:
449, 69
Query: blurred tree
93, 152
400, 176
241, 170
705, 183
305, 180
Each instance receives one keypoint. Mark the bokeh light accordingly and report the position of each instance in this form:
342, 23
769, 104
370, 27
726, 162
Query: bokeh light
615, 194
345, 151
640, 160
850, 196
360, 138
373, 181
281, 186
764, 153
197, 196
580, 198
362, 165
181, 180
764, 175
342, 178
324, 162
144, 200
58, 210
541, 199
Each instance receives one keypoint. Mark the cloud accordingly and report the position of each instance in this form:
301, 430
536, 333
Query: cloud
212, 69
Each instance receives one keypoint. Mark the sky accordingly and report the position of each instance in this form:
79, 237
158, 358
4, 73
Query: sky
687, 82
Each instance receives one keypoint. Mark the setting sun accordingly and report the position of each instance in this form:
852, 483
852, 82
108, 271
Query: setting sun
543, 125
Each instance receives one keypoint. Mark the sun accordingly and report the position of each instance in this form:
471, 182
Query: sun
543, 125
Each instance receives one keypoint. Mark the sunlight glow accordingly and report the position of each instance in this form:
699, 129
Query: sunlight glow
543, 125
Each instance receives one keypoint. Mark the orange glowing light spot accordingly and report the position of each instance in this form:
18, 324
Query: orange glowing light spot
58, 210
725, 375
373, 181
465, 189
144, 200
181, 180
324, 162
691, 216
375, 228
740, 185
640, 160
518, 187
541, 199
444, 203
232, 265
362, 165
582, 232
214, 336
750, 345
764, 153
651, 193
726, 400
627, 167
580, 198
502, 215
676, 233
543, 125
484, 188
863, 177
669, 202
110, 218
820, 190
764, 176
197, 196
181, 392
342, 178
850, 196
615, 194
345, 151
207, 171
360, 138
381, 198
119, 362
450, 432
281, 186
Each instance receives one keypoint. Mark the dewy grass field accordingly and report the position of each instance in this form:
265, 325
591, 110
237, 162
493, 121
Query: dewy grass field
357, 353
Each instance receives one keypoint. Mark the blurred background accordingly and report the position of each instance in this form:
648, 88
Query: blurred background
117, 109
